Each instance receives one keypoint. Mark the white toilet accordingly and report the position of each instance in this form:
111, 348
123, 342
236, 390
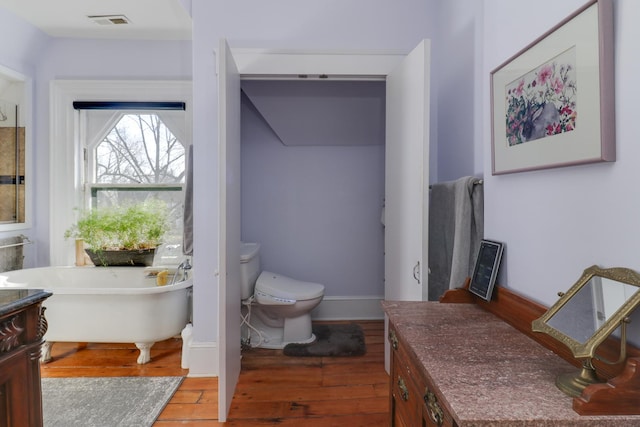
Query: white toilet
276, 309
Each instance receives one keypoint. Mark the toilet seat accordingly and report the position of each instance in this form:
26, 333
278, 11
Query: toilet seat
275, 289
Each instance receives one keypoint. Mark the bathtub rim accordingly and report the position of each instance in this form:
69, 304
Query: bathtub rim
5, 282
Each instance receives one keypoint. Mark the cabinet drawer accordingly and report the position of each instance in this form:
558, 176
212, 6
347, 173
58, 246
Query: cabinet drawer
414, 401
435, 414
406, 400
400, 355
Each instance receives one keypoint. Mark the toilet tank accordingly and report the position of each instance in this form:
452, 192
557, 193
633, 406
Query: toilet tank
249, 267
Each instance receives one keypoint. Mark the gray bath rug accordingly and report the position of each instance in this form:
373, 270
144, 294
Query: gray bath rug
105, 401
336, 340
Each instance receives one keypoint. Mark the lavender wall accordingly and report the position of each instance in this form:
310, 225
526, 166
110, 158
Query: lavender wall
282, 24
457, 60
321, 111
316, 209
21, 51
23, 44
558, 222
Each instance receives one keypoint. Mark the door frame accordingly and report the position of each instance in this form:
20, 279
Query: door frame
268, 64
290, 64
229, 229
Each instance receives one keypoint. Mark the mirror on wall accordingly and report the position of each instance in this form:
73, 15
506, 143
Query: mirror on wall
13, 150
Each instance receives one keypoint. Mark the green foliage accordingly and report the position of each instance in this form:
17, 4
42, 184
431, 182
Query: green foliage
139, 226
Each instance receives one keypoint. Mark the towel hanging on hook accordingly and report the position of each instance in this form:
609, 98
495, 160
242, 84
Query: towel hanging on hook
456, 227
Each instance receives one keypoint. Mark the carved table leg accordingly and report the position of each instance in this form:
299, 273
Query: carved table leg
145, 352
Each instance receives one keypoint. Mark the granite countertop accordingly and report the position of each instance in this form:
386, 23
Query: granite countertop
489, 373
15, 299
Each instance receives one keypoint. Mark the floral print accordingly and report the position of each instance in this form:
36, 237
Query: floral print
542, 102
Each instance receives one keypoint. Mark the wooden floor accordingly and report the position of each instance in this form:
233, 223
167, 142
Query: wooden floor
273, 389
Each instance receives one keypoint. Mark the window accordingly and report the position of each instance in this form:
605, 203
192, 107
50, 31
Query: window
133, 155
71, 135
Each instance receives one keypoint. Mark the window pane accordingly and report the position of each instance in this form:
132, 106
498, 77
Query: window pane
140, 149
138, 152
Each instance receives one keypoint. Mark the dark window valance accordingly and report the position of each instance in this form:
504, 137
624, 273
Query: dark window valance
116, 105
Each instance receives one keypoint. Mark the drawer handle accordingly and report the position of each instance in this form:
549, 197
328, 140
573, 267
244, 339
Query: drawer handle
435, 412
393, 339
404, 391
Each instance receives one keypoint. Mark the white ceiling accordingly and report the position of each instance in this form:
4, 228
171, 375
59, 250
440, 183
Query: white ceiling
149, 19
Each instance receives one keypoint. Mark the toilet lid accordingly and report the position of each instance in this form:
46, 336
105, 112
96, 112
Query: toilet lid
280, 286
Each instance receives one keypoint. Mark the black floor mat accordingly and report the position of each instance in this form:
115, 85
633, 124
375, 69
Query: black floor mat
332, 340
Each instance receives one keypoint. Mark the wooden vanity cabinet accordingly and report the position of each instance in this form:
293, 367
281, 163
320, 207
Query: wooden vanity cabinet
22, 327
13, 372
413, 400
461, 365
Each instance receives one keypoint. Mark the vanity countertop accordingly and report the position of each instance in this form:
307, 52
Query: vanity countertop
14, 299
489, 373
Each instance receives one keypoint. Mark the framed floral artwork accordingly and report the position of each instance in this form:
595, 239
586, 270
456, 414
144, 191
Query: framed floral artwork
552, 103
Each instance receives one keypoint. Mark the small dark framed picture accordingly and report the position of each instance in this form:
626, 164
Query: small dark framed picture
485, 271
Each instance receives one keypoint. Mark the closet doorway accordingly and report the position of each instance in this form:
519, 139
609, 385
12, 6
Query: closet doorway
406, 173
312, 164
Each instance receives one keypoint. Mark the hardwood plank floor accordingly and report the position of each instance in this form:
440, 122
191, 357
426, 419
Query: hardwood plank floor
273, 389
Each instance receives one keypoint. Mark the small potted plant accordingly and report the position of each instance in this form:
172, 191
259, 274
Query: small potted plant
122, 235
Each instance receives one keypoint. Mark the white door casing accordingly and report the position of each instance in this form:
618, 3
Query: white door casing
408, 87
229, 252
406, 177
407, 181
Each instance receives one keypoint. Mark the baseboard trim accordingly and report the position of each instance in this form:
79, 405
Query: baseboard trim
349, 308
203, 359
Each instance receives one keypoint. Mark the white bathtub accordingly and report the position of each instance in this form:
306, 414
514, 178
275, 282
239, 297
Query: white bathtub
106, 304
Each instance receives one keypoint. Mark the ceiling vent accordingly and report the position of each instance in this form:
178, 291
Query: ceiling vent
109, 19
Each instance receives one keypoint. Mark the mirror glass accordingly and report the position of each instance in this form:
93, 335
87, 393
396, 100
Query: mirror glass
592, 309
13, 146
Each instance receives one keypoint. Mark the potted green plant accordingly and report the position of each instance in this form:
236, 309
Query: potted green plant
122, 235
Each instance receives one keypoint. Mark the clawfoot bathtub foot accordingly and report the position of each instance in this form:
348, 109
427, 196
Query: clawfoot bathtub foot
45, 352
145, 352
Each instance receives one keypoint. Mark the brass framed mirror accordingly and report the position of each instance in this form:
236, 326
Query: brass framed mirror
592, 309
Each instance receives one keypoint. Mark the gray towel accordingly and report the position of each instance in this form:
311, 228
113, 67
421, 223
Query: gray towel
456, 224
187, 236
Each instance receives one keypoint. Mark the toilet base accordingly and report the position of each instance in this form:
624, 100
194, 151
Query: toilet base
269, 331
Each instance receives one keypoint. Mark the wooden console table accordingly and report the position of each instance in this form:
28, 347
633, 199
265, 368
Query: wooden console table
22, 327
461, 365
